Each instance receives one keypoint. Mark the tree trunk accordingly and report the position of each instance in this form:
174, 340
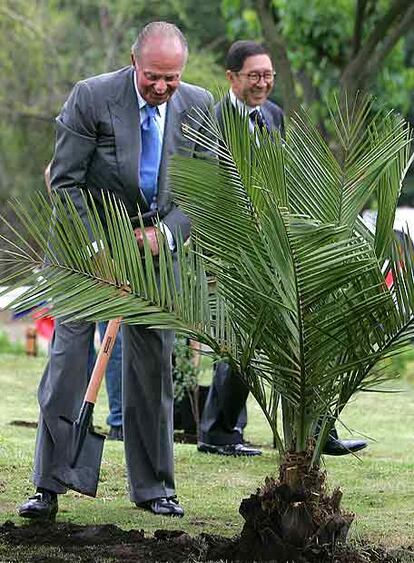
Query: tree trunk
277, 46
368, 57
293, 518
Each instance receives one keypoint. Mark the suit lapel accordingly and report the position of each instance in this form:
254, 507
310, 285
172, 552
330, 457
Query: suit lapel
172, 139
265, 110
270, 117
126, 124
226, 101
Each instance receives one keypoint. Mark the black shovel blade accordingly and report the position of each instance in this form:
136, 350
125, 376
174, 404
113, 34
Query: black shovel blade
79, 462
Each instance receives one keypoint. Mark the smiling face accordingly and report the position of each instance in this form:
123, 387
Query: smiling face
159, 68
246, 86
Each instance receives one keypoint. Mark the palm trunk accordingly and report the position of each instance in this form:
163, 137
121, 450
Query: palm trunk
293, 516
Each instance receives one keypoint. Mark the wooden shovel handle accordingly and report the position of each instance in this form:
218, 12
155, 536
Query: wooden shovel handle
104, 354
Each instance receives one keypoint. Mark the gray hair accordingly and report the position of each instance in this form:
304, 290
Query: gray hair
161, 29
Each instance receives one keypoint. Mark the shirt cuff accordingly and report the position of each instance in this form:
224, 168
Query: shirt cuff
168, 235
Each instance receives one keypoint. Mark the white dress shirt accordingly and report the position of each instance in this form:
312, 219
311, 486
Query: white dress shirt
243, 108
160, 121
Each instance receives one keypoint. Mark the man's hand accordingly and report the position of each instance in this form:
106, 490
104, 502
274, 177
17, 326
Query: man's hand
152, 235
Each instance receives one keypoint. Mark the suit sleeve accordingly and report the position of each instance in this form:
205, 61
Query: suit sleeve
76, 140
282, 125
202, 152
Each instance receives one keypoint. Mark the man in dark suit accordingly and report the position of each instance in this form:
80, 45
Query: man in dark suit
117, 131
251, 76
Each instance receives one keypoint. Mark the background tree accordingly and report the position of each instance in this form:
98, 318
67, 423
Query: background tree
47, 46
319, 47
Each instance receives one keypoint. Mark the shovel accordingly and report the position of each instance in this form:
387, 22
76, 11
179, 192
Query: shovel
82, 448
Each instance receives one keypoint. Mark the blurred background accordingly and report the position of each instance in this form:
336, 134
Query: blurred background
320, 49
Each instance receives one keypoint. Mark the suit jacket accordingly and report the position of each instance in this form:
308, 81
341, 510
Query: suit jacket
272, 113
98, 144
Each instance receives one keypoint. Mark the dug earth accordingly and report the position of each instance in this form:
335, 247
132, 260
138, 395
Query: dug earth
65, 542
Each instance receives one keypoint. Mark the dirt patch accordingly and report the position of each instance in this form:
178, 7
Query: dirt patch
110, 543
180, 437
33, 424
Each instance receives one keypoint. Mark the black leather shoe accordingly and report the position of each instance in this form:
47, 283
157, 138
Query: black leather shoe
163, 506
228, 449
334, 446
116, 433
43, 505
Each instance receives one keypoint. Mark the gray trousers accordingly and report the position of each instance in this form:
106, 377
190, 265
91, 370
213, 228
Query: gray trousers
147, 405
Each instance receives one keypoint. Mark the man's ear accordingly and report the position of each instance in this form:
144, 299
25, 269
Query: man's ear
132, 59
230, 75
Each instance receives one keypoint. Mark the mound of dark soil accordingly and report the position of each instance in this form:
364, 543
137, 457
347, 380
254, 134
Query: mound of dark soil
108, 542
94, 543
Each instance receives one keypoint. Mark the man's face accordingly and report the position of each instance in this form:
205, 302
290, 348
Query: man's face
254, 82
159, 69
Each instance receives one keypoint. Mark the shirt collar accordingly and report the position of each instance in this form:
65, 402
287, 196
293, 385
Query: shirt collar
162, 108
241, 106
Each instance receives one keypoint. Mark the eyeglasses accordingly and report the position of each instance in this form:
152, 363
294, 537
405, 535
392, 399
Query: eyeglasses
168, 78
254, 77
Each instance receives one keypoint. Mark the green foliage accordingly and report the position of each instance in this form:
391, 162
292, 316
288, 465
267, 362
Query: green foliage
8, 347
202, 70
396, 80
26, 96
318, 37
403, 364
317, 33
241, 19
185, 373
47, 46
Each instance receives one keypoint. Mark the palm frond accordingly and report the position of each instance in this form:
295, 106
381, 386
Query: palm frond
300, 307
373, 149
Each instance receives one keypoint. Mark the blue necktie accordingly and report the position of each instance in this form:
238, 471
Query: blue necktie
150, 154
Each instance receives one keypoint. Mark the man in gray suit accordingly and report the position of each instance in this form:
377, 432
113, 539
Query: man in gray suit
117, 131
251, 76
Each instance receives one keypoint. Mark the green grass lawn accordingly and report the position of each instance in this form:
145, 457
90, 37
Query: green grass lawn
378, 486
